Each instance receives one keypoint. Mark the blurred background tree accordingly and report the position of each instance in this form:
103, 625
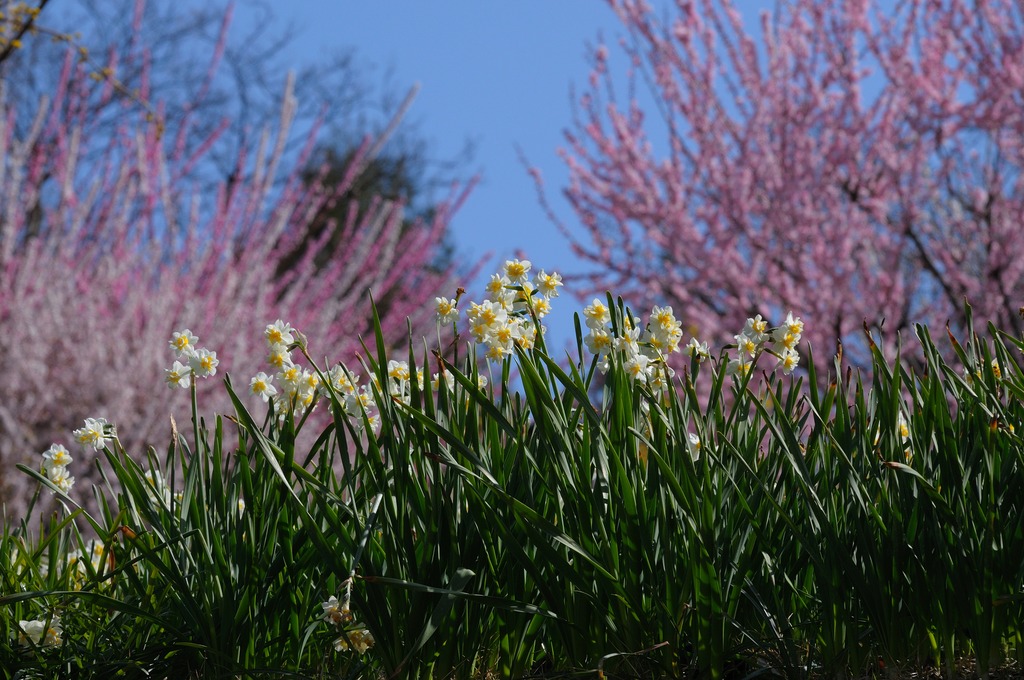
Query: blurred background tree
855, 162
160, 174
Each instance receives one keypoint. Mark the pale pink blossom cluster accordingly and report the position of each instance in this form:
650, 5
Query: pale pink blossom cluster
862, 160
109, 241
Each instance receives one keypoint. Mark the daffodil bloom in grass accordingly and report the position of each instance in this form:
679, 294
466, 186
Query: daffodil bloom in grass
788, 360
793, 325
340, 381
597, 314
262, 386
636, 367
203, 363
504, 337
398, 370
359, 639
903, 428
40, 632
183, 342
496, 285
746, 344
55, 457
156, 488
304, 398
629, 342
449, 381
94, 433
310, 381
784, 340
490, 314
541, 307
279, 333
94, 552
663, 318
357, 402
290, 377
447, 312
279, 356
55, 466
548, 284
335, 612
599, 341
659, 376
756, 329
694, 445
178, 375
523, 296
61, 478
526, 333
739, 366
497, 352
698, 350
516, 270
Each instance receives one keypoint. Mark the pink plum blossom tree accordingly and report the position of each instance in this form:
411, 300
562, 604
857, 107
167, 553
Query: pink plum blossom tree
110, 243
851, 160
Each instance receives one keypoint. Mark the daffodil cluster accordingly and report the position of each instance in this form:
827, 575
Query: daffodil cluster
199, 362
56, 460
508, 316
157, 489
338, 614
756, 337
300, 387
96, 553
95, 434
997, 373
640, 349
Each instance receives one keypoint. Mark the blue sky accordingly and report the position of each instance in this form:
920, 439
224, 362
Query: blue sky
497, 73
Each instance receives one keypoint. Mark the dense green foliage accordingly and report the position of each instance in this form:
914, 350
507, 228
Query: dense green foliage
820, 527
